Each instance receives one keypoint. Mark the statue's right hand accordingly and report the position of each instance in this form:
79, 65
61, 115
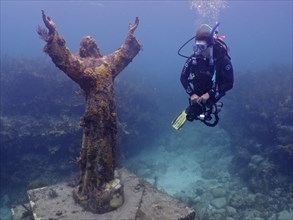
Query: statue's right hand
49, 23
49, 35
132, 27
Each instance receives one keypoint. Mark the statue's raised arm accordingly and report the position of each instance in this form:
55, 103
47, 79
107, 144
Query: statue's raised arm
57, 50
127, 51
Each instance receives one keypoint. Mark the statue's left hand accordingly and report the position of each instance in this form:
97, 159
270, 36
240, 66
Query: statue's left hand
132, 27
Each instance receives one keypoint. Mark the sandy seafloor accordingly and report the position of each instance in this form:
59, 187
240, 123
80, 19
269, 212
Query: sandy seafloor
175, 160
192, 164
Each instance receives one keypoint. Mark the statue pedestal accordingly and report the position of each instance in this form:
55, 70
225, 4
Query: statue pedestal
142, 201
111, 198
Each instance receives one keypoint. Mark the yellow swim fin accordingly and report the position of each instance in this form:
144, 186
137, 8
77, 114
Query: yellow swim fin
179, 121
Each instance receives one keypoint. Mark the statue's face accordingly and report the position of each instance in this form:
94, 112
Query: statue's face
89, 48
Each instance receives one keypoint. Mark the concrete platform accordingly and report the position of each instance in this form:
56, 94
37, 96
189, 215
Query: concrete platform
142, 202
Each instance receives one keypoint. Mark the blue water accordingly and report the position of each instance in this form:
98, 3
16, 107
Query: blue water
257, 32
259, 35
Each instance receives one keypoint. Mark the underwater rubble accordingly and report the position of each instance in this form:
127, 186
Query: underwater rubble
261, 131
263, 144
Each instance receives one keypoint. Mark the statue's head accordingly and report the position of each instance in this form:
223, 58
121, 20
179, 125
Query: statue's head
89, 48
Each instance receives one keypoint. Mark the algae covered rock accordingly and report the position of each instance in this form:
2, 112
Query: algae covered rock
285, 215
218, 192
219, 202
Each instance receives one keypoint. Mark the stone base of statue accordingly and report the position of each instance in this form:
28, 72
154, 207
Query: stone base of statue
142, 201
106, 200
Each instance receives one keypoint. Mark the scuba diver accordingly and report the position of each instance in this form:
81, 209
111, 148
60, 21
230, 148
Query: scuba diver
206, 77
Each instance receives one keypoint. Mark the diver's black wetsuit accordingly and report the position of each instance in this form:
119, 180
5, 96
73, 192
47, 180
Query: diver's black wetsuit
196, 76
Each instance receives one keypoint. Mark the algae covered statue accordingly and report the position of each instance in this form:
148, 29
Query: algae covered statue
98, 190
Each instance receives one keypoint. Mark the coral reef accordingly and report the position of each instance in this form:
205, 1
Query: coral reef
262, 106
32, 121
138, 112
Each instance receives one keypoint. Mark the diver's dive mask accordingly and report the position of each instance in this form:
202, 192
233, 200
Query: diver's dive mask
199, 47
